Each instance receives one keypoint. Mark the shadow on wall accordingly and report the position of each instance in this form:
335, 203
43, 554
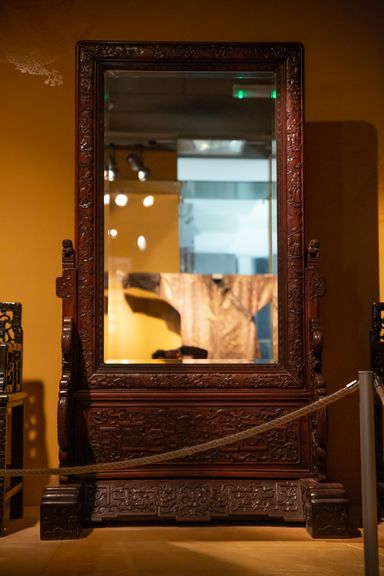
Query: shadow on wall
341, 195
35, 450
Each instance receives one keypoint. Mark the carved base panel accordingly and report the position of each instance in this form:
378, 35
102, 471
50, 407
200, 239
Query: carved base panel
325, 509
192, 500
322, 506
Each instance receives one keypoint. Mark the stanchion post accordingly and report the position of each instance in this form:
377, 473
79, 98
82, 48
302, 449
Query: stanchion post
368, 473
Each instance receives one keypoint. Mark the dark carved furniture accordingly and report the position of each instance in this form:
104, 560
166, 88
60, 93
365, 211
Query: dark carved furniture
377, 339
377, 366
11, 412
108, 412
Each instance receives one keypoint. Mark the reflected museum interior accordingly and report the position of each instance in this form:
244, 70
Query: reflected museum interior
190, 217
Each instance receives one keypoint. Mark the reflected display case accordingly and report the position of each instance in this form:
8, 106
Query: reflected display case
191, 298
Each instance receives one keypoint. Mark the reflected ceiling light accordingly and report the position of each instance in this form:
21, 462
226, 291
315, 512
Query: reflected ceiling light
111, 170
148, 201
242, 91
210, 147
141, 243
136, 163
143, 174
111, 175
107, 198
121, 200
113, 232
202, 145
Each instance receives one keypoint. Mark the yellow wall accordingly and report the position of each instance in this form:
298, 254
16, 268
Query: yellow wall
344, 84
159, 226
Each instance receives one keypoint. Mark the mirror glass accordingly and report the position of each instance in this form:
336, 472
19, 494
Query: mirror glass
190, 217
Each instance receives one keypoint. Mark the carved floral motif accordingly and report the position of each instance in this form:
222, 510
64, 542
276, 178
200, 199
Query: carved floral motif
116, 433
377, 339
11, 339
193, 380
10, 322
192, 500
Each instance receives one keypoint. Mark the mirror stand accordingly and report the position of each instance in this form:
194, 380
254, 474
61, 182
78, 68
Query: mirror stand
124, 391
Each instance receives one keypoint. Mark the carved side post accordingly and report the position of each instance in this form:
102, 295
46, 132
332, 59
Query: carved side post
60, 516
377, 339
66, 290
377, 366
325, 503
315, 289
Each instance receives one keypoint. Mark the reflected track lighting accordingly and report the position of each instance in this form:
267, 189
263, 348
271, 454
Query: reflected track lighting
135, 161
111, 170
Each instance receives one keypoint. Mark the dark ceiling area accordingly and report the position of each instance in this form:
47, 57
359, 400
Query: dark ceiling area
155, 112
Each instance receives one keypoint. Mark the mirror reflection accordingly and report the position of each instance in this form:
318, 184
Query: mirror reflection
190, 217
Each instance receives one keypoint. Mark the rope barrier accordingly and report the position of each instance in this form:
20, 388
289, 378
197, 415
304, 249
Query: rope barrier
188, 450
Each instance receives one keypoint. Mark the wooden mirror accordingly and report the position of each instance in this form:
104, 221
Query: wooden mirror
191, 308
201, 267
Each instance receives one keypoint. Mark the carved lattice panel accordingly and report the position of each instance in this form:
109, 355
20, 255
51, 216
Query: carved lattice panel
192, 500
120, 432
11, 340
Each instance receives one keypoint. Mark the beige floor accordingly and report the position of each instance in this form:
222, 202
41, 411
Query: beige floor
180, 551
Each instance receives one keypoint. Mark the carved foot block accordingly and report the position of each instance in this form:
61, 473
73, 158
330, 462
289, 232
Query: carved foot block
60, 512
326, 509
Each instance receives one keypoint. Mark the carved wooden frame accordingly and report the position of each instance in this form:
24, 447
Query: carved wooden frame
93, 58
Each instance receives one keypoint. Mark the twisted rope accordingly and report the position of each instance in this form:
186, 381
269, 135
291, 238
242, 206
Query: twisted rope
188, 450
